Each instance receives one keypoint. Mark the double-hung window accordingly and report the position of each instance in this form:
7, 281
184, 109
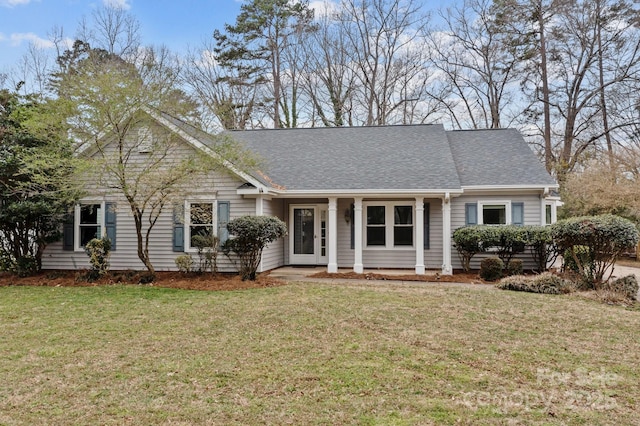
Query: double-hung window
389, 225
376, 228
201, 220
90, 223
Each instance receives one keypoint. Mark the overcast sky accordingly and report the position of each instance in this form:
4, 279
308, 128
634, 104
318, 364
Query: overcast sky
174, 23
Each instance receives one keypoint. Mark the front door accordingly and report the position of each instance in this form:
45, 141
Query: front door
308, 237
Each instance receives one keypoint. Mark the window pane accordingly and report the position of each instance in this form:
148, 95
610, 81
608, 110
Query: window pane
548, 214
403, 215
403, 236
303, 233
89, 214
494, 215
376, 236
375, 215
88, 233
201, 213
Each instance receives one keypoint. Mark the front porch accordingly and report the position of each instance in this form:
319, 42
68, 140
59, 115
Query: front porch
365, 233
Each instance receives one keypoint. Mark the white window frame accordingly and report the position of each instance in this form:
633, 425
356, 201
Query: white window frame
554, 212
187, 219
389, 224
76, 221
505, 203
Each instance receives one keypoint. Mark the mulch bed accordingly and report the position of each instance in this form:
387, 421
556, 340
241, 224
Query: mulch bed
457, 277
190, 281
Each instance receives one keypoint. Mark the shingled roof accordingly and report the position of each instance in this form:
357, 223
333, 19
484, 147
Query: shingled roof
420, 158
410, 157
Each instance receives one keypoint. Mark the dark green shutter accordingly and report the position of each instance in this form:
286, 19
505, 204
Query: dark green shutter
178, 228
471, 214
426, 220
224, 210
67, 232
517, 213
110, 223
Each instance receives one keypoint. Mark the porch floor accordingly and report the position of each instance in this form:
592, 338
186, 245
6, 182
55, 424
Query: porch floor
301, 272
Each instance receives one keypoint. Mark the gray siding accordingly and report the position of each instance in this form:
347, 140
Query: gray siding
214, 185
273, 254
532, 210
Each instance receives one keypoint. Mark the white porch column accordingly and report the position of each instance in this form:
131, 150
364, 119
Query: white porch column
447, 269
333, 235
419, 236
260, 212
358, 268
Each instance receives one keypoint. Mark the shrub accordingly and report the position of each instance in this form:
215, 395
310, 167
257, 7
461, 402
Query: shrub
541, 245
184, 262
207, 246
606, 238
509, 241
569, 262
546, 283
249, 236
98, 250
491, 268
626, 286
515, 267
468, 241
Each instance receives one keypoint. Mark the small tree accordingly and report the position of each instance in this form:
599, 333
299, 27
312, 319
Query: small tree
250, 235
605, 238
207, 246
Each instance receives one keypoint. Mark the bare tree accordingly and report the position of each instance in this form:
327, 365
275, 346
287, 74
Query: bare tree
478, 64
113, 29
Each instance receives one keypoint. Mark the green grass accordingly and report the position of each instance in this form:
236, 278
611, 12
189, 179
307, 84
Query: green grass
314, 354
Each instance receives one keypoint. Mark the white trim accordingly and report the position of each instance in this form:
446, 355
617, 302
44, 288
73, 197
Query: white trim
503, 187
358, 267
389, 224
333, 235
505, 203
369, 193
187, 218
419, 235
447, 268
76, 220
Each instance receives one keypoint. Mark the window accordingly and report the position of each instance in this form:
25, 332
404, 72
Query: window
548, 216
376, 230
91, 219
201, 220
494, 214
389, 225
90, 223
403, 226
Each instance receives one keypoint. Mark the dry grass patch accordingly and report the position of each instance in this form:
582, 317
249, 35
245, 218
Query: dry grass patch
314, 354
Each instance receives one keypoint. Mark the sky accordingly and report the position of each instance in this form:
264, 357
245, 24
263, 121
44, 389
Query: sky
174, 23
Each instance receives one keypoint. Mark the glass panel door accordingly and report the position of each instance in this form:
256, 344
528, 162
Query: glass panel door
304, 231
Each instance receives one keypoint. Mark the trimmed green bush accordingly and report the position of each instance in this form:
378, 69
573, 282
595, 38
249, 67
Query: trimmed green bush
569, 259
606, 238
541, 246
546, 283
491, 268
468, 241
515, 267
250, 235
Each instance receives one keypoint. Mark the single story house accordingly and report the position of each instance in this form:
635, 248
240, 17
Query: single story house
352, 197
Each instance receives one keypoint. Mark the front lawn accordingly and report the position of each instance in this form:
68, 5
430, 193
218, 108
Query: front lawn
314, 354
